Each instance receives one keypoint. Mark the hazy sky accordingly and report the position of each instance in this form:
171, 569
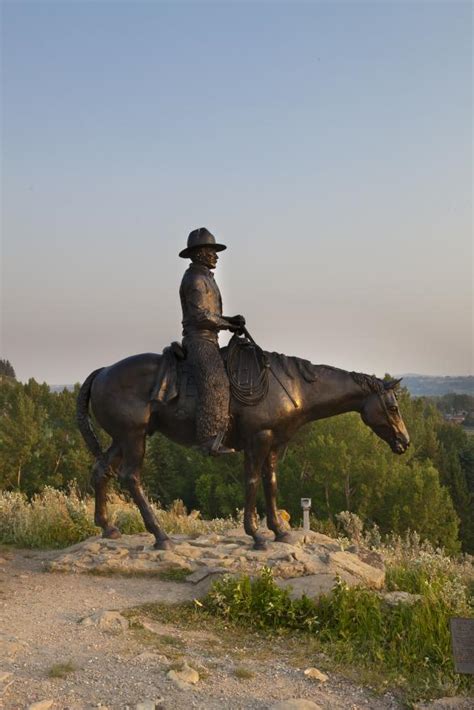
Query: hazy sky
328, 144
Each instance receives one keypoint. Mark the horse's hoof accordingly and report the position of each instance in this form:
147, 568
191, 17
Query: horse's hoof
112, 533
285, 537
165, 544
260, 545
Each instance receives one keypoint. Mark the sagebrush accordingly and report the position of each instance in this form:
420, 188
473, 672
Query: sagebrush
55, 519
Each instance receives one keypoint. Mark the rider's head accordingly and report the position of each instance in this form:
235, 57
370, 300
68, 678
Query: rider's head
202, 248
206, 256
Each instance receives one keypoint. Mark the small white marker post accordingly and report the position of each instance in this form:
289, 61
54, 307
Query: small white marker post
306, 505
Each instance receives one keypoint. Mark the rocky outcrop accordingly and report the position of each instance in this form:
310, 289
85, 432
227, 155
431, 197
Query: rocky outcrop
311, 565
184, 676
111, 621
316, 675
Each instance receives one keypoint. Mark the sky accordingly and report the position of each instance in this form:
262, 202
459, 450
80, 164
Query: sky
327, 144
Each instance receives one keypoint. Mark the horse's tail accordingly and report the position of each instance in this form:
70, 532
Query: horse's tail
83, 419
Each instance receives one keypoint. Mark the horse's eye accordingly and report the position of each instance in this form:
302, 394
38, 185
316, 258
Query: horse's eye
393, 408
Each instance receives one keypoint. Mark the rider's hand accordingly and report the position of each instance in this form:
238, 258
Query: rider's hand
238, 321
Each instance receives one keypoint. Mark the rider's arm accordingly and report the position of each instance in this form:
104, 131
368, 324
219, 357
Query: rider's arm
200, 302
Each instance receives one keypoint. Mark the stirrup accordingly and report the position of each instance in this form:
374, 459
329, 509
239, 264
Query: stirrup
214, 447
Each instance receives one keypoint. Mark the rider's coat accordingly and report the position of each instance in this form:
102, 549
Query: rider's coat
202, 319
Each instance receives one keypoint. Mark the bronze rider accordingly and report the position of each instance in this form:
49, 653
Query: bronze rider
202, 320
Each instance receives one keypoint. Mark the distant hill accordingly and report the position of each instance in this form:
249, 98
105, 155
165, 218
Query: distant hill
60, 388
427, 386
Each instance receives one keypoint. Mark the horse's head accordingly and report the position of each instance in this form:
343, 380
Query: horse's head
381, 413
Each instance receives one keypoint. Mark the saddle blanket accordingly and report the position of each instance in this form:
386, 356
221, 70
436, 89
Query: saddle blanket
175, 377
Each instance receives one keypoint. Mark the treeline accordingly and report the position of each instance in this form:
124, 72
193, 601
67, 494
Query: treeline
453, 404
338, 462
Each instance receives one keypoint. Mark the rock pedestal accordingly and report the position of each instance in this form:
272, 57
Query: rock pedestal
310, 566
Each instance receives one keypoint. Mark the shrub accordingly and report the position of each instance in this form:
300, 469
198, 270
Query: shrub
325, 526
61, 670
128, 519
55, 519
51, 519
410, 642
351, 525
259, 603
413, 639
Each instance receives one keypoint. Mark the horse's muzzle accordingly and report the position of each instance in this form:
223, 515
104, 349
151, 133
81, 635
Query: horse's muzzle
400, 444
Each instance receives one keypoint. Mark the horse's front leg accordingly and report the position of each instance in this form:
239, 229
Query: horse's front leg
254, 457
274, 521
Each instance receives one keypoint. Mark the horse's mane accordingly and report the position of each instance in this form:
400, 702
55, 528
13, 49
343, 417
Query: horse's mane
369, 383
292, 365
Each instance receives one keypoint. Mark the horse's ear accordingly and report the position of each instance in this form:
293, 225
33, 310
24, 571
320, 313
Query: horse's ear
391, 384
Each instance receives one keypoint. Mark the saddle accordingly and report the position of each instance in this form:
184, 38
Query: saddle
246, 366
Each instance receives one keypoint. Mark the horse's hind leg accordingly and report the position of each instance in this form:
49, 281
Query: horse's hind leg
101, 473
133, 453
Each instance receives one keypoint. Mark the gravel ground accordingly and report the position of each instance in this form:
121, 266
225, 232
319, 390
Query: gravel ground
39, 615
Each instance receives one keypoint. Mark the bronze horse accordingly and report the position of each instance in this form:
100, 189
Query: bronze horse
298, 393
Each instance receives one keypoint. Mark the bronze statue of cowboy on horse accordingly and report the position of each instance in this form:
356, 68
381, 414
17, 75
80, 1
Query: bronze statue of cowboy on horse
213, 415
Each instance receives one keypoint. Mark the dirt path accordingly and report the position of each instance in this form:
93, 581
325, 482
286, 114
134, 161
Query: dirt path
39, 615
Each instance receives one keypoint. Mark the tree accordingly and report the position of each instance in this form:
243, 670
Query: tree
414, 499
456, 465
6, 369
338, 462
21, 432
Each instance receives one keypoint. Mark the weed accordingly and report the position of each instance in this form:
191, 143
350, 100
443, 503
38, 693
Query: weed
409, 643
174, 574
51, 519
243, 673
61, 670
260, 603
170, 640
55, 519
176, 666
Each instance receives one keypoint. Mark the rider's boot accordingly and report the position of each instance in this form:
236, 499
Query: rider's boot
215, 447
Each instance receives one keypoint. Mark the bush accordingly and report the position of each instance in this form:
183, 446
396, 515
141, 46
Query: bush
260, 603
55, 519
128, 519
51, 519
410, 642
412, 639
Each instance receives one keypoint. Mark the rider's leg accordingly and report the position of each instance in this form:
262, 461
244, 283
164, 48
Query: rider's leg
212, 414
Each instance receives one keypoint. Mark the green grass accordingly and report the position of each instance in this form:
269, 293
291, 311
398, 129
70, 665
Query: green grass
61, 670
408, 644
174, 574
243, 673
170, 640
54, 519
